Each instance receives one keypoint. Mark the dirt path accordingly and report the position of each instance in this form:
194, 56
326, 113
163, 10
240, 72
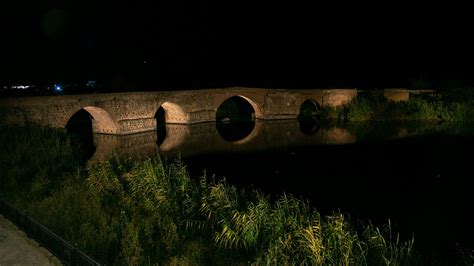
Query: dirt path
17, 249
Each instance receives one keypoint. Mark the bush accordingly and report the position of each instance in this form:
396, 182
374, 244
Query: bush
377, 108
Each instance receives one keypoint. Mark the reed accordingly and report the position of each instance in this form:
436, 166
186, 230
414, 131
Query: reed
149, 211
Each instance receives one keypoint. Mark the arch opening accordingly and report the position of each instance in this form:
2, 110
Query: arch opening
79, 127
168, 113
86, 122
173, 113
160, 117
235, 118
309, 117
238, 109
102, 122
310, 109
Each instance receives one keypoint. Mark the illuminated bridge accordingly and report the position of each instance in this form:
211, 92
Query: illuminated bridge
134, 112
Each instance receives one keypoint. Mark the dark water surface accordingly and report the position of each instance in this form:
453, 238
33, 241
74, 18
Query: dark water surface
418, 175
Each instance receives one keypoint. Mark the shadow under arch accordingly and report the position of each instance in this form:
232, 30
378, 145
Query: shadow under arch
255, 106
236, 119
309, 117
168, 113
310, 109
238, 105
79, 127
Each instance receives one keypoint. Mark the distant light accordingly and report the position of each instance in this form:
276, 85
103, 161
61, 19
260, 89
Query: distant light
58, 88
144, 62
21, 87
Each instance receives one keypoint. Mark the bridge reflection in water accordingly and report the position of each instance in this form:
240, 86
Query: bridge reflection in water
204, 138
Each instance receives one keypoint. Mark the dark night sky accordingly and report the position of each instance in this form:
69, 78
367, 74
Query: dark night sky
205, 44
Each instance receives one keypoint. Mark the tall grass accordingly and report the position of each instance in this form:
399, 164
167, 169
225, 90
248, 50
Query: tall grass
140, 212
460, 95
289, 231
377, 108
149, 211
166, 217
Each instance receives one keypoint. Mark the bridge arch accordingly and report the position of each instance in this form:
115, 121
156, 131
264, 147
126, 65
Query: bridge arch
171, 113
236, 106
236, 119
309, 109
168, 113
102, 121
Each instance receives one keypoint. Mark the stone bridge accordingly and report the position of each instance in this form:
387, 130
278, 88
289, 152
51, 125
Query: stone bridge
134, 112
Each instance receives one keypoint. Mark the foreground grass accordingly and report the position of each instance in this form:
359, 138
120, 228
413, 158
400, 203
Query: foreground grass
34, 159
149, 211
140, 212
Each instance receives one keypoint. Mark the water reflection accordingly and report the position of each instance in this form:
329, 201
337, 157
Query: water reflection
309, 126
205, 138
235, 131
134, 145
